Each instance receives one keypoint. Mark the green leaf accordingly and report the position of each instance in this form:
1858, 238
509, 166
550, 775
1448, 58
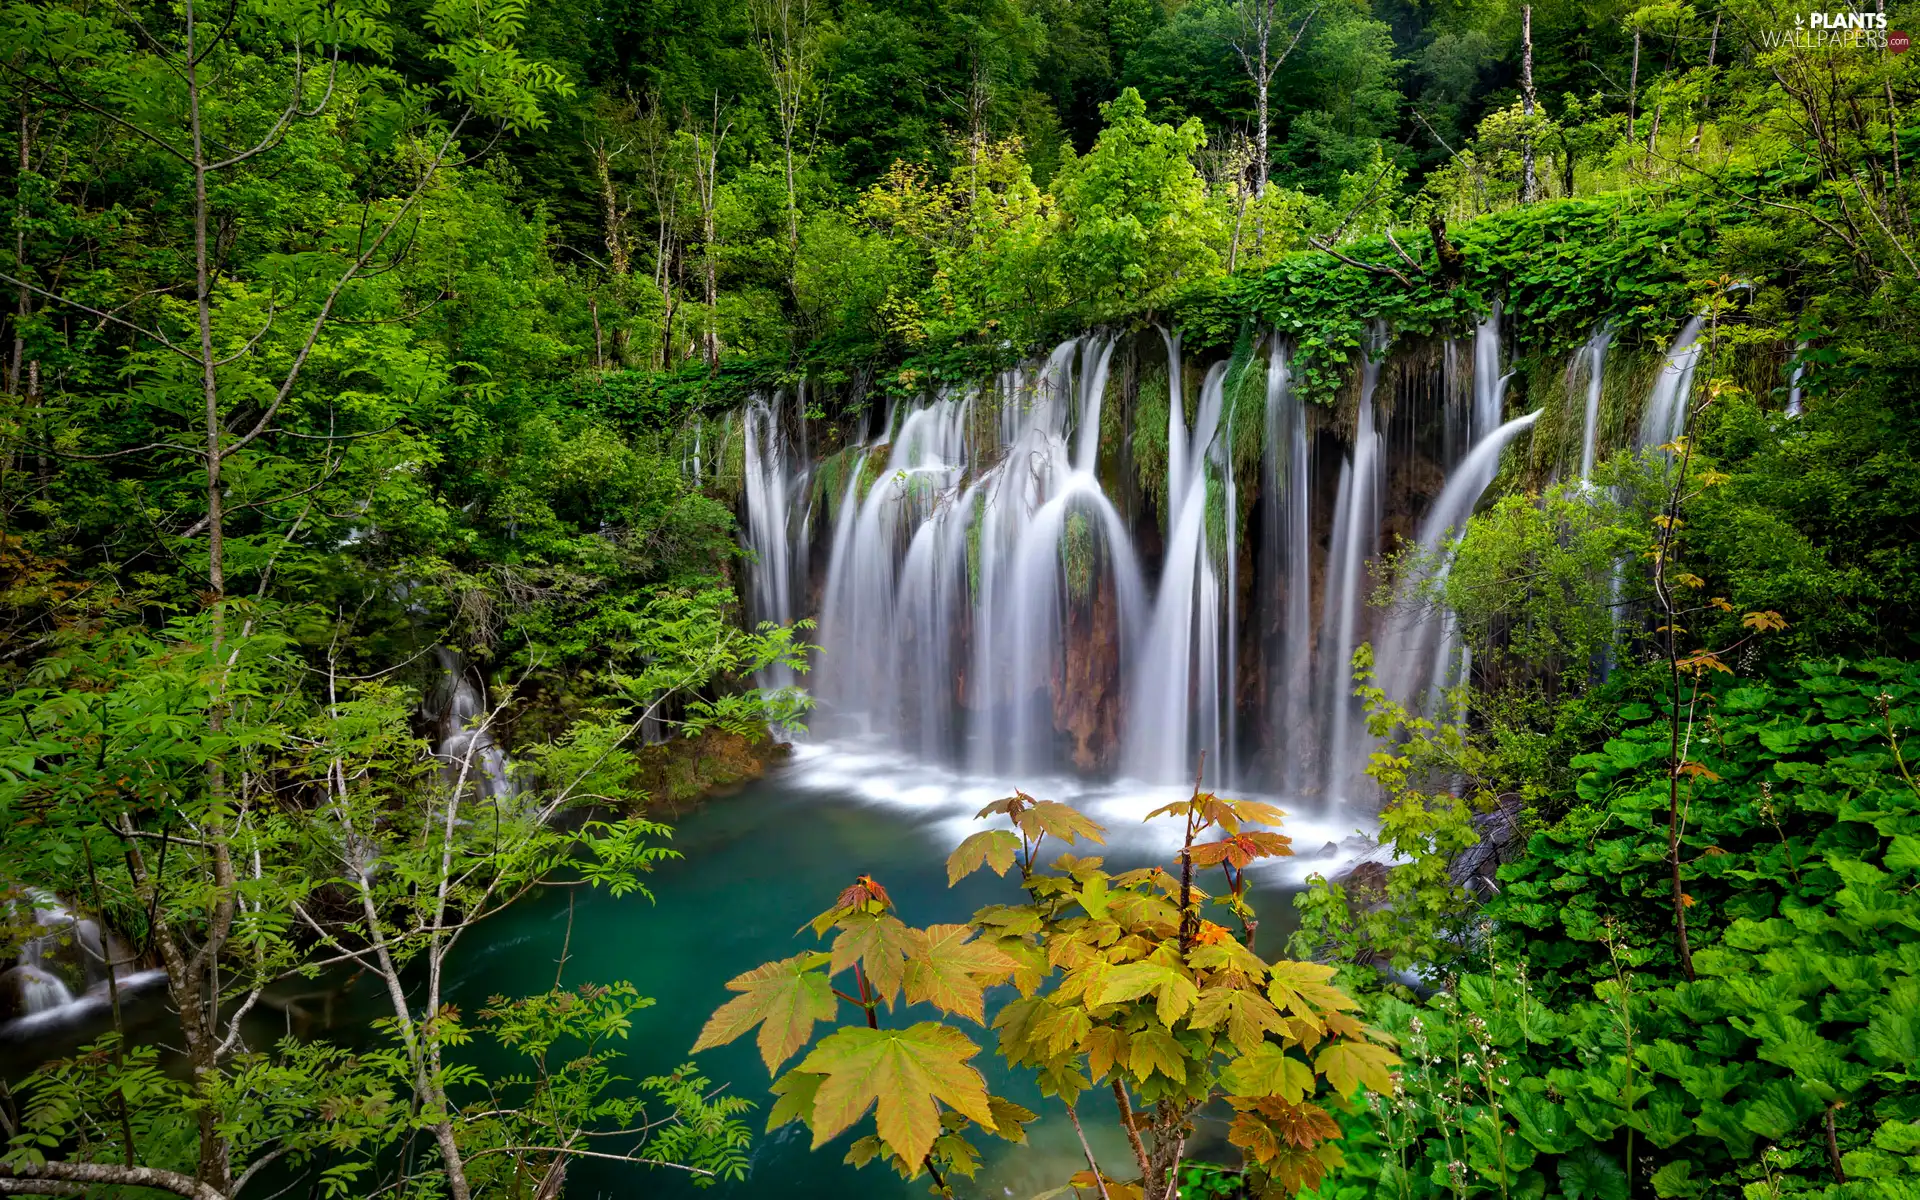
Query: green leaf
1780, 1108
905, 1075
1009, 1119
1302, 989
1903, 854
1268, 1071
1348, 1064
1674, 1181
1592, 1175
784, 998
1175, 993
879, 942
796, 1090
993, 848
1542, 1122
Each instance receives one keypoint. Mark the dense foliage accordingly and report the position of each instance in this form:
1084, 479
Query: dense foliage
358, 354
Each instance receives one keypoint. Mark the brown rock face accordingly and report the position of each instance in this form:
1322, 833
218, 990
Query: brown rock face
1087, 689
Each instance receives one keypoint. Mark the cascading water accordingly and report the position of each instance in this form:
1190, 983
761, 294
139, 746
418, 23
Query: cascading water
1356, 537
61, 972
984, 608
1592, 361
943, 621
1418, 648
1289, 548
773, 478
1174, 710
465, 743
1424, 650
1665, 417
1793, 383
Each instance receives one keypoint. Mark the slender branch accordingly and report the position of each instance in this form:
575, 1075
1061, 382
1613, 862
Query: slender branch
1375, 268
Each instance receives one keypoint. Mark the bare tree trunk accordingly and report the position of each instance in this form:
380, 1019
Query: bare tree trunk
202, 1043
619, 252
1258, 58
1529, 181
783, 33
23, 302
1633, 85
1713, 47
618, 259
706, 176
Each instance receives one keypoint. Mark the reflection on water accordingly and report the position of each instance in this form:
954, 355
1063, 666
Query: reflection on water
757, 866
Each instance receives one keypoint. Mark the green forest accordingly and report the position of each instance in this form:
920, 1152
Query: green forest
875, 542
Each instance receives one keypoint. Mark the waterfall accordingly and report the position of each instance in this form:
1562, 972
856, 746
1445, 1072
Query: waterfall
1419, 648
1489, 386
461, 739
1356, 536
62, 971
984, 605
1793, 383
1289, 555
944, 616
1174, 712
770, 532
1592, 360
1666, 413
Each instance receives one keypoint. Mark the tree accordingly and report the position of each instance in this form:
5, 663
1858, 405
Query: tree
1168, 1008
231, 347
787, 36
1261, 58
1134, 214
706, 144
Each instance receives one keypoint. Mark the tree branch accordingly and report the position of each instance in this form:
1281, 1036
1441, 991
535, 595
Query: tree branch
108, 1174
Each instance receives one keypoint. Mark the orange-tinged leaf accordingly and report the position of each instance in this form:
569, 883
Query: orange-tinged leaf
1297, 1169
1269, 1128
1011, 805
904, 1075
879, 942
1349, 1065
990, 848
1104, 1046
1085, 1181
1247, 1015
1060, 820
1153, 1050
784, 998
1302, 989
1702, 660
948, 971
1211, 934
1765, 622
1698, 771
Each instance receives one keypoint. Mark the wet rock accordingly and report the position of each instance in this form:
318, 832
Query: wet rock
25, 990
679, 773
1502, 836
